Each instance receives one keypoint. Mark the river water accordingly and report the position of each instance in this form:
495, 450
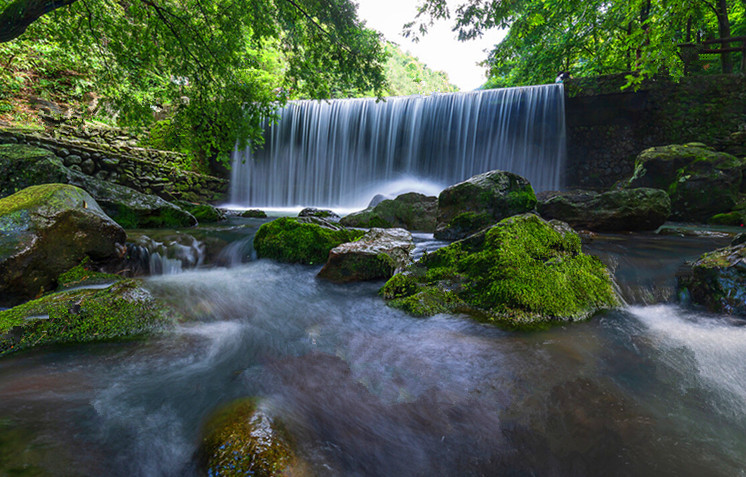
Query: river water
651, 389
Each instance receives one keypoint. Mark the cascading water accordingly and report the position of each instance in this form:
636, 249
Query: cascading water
340, 153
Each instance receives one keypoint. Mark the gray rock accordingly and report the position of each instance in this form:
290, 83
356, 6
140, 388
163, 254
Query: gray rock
73, 159
322, 213
379, 254
717, 280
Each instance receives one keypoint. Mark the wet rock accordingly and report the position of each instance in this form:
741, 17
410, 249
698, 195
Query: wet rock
523, 272
700, 182
88, 166
380, 253
322, 213
301, 240
244, 439
123, 310
411, 211
46, 230
617, 210
481, 201
377, 199
717, 279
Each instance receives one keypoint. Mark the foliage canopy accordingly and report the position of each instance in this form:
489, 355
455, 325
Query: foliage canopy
587, 37
220, 66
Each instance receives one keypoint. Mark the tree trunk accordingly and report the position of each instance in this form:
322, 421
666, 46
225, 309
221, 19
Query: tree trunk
724, 30
21, 13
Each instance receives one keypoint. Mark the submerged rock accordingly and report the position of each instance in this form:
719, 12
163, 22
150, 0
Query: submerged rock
700, 182
243, 439
378, 254
481, 201
523, 272
46, 230
411, 211
305, 240
717, 279
617, 210
121, 311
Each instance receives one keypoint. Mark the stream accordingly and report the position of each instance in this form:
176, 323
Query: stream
653, 388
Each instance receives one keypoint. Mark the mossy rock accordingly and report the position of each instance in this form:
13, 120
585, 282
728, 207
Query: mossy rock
204, 213
700, 182
377, 255
734, 219
84, 274
617, 210
717, 280
242, 439
24, 166
124, 310
132, 209
410, 211
253, 214
305, 240
480, 201
46, 230
522, 273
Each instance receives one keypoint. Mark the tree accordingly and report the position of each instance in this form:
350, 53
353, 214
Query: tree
585, 36
222, 65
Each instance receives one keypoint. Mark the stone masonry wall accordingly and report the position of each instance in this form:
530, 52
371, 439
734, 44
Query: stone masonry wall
145, 170
607, 127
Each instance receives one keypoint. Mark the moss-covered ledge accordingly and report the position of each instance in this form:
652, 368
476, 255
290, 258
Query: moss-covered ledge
522, 273
123, 310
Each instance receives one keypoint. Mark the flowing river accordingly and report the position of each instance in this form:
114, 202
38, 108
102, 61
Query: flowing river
651, 389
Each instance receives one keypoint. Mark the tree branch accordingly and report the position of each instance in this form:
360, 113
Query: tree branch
21, 13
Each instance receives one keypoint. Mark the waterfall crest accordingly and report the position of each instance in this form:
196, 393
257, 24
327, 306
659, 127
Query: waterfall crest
340, 153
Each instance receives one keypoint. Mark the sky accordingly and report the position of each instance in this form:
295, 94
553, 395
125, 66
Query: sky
439, 49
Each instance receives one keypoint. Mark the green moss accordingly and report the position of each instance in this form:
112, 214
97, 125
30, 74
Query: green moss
730, 218
427, 302
242, 440
81, 274
520, 273
201, 212
45, 195
288, 240
123, 310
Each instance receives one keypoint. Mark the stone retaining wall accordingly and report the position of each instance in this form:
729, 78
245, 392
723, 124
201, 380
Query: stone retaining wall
146, 170
607, 127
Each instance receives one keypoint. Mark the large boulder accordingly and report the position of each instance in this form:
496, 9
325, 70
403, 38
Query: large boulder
244, 439
481, 201
378, 254
124, 310
617, 210
700, 182
26, 166
411, 211
132, 209
717, 280
305, 240
522, 273
46, 230
204, 213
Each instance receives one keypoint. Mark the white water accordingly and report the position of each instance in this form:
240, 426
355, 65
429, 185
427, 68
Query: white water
341, 153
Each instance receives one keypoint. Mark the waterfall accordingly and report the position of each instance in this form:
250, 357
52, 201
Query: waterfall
340, 153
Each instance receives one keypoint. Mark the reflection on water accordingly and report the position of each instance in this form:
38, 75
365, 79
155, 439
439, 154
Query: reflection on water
367, 390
